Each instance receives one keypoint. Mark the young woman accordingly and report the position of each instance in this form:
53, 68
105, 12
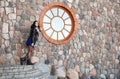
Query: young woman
31, 41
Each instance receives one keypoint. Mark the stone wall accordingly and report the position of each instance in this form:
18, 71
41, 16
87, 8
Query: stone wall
96, 42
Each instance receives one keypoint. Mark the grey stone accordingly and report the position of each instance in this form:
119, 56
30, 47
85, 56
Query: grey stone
41, 7
52, 77
33, 6
66, 47
9, 56
71, 65
42, 60
2, 3
5, 36
11, 34
118, 75
18, 18
21, 22
22, 0
83, 44
32, 18
91, 66
111, 76
11, 4
118, 1
54, 49
84, 76
25, 15
8, 10
5, 28
51, 59
77, 2
60, 52
70, 1
42, 67
60, 63
12, 16
6, 43
102, 76
105, 72
6, 3
61, 72
94, 77
75, 45
1, 10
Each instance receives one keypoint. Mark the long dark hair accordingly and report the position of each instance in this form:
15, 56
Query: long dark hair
33, 25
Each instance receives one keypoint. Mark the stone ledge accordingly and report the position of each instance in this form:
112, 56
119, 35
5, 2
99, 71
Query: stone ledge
25, 72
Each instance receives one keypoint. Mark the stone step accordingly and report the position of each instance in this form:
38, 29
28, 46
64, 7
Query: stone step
52, 77
23, 74
37, 71
15, 68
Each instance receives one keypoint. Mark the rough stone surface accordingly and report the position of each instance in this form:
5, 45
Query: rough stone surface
96, 45
22, 0
72, 74
12, 16
24, 72
8, 10
5, 28
5, 36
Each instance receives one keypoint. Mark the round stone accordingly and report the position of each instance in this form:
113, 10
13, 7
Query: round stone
77, 69
55, 62
91, 67
5, 28
60, 63
93, 72
72, 74
22, 0
117, 61
111, 76
60, 52
9, 56
34, 59
105, 72
32, 18
84, 54
6, 3
6, 43
102, 76
70, 1
81, 59
12, 16
87, 70
12, 61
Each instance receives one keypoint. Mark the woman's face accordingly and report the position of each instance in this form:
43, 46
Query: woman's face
36, 23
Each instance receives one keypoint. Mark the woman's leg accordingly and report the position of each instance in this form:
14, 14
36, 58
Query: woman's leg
30, 51
29, 54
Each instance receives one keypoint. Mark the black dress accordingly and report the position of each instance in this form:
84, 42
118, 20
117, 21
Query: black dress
33, 37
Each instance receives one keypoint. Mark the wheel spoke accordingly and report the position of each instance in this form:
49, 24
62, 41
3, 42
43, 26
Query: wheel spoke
48, 28
68, 24
66, 30
66, 18
46, 22
63, 34
63, 14
48, 16
51, 34
57, 11
52, 12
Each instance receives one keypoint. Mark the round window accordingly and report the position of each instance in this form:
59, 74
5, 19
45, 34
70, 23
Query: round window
58, 23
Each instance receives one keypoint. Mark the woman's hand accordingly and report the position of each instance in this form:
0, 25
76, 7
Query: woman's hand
32, 44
